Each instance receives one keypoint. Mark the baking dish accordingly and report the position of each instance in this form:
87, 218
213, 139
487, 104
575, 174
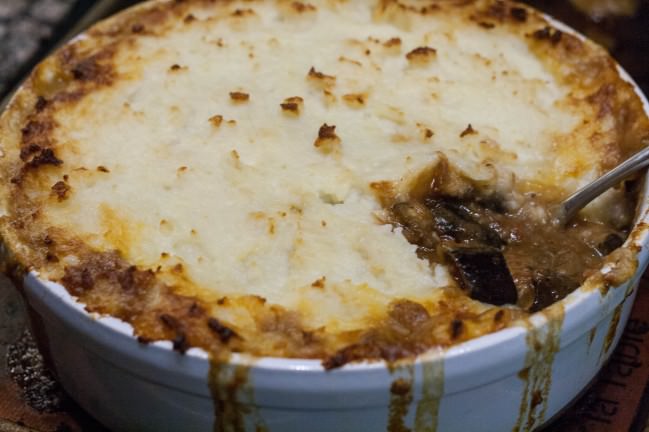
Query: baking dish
515, 379
477, 385
486, 384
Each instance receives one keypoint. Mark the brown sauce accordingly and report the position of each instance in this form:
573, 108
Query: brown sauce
501, 253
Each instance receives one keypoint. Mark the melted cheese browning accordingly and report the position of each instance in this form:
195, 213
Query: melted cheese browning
232, 158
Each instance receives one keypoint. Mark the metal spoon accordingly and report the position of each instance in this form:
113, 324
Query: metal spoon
569, 207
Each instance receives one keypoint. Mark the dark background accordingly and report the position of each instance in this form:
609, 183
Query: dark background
29, 29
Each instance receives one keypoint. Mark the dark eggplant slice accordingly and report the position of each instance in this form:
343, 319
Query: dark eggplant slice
609, 244
492, 202
483, 273
550, 287
454, 221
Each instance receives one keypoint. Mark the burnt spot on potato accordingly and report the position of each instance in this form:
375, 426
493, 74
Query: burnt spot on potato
301, 7
320, 282
241, 13
292, 105
355, 100
223, 332
137, 28
61, 190
392, 42
497, 10
44, 156
421, 56
500, 12
41, 104
392, 46
486, 24
239, 97
27, 151
468, 131
327, 140
320, 79
518, 14
216, 120
328, 97
425, 133
457, 326
94, 69
179, 338
35, 131
343, 59
397, 12
603, 100
549, 34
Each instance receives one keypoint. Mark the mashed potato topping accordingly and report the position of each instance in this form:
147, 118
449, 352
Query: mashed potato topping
216, 173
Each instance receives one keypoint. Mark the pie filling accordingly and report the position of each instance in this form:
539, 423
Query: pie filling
503, 250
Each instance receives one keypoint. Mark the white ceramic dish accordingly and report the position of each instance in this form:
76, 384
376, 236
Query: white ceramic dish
129, 386
494, 383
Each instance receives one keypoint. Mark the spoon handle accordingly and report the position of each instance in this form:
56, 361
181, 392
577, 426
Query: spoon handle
583, 196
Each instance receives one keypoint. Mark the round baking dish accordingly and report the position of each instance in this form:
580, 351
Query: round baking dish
516, 379
492, 383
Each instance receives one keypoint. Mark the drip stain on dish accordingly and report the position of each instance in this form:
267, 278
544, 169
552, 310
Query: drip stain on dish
233, 395
612, 330
543, 343
401, 396
591, 336
426, 416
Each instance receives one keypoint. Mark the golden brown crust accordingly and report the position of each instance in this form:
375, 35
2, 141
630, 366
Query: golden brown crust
409, 330
161, 304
